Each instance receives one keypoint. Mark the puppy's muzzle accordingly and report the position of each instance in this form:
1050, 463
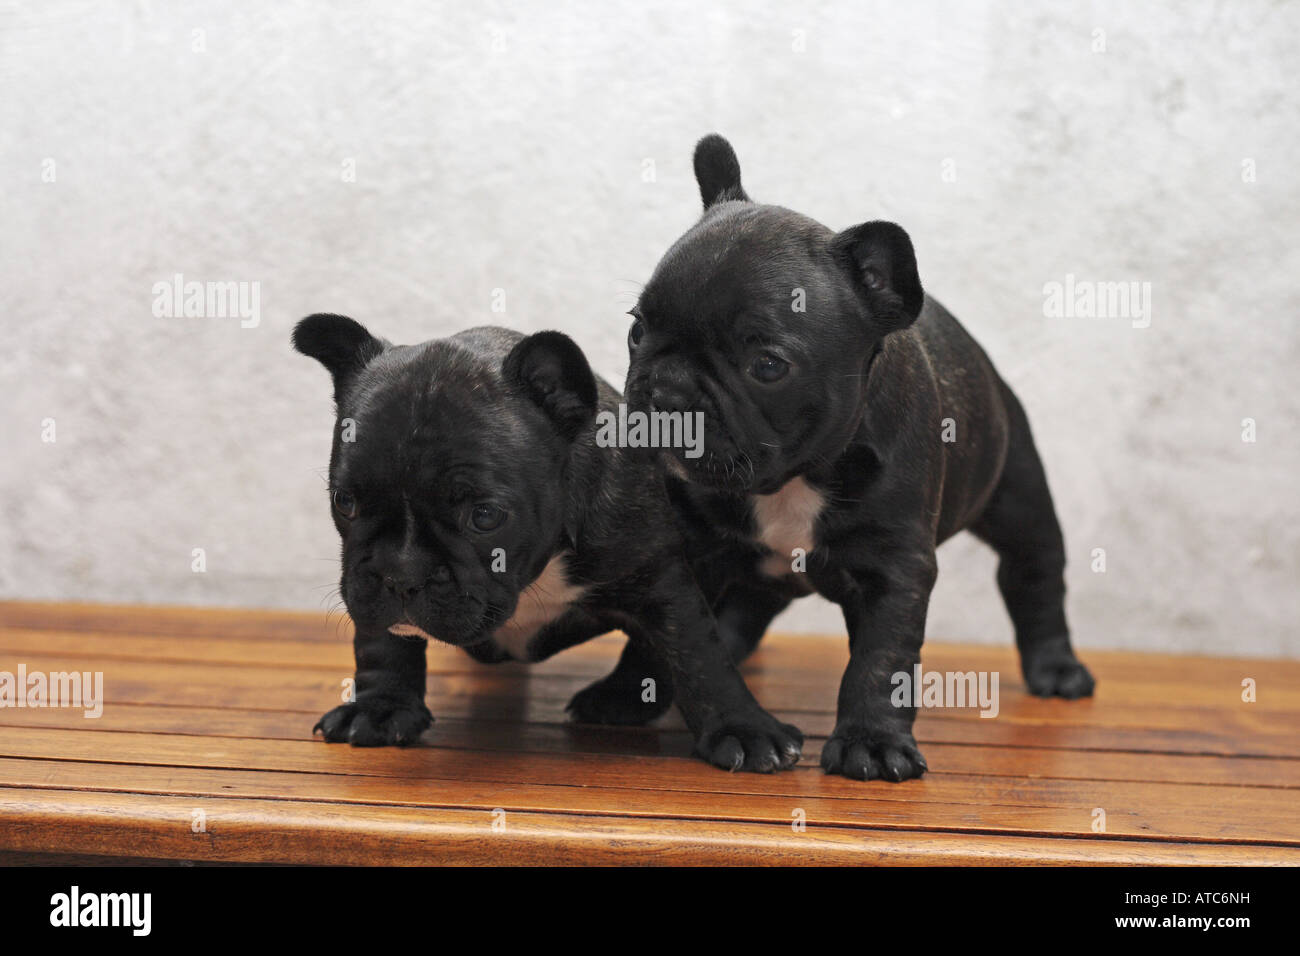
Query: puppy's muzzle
669, 398
405, 587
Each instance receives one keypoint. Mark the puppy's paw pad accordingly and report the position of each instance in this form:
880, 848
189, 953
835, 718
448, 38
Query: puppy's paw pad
615, 702
1059, 676
865, 754
758, 744
376, 722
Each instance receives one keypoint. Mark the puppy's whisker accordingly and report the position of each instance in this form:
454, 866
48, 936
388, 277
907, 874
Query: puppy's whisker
537, 594
337, 616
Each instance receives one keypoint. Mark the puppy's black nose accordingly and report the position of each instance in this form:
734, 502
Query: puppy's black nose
403, 588
668, 398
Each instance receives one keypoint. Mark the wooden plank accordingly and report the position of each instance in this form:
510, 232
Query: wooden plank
442, 778
197, 785
305, 832
81, 859
509, 679
790, 657
1226, 735
193, 622
792, 652
214, 709
81, 740
556, 734
1258, 731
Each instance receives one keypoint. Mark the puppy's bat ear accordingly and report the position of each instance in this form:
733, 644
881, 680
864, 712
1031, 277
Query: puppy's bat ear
552, 371
881, 263
341, 344
717, 171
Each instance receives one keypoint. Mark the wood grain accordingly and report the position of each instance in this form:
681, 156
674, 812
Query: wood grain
211, 710
294, 831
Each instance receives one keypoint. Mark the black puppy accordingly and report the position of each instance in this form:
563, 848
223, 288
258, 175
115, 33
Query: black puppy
851, 425
476, 507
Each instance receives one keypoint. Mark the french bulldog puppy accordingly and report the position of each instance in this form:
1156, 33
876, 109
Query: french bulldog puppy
852, 425
476, 508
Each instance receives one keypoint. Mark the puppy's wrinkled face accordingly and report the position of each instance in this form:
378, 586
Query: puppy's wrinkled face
765, 321
443, 479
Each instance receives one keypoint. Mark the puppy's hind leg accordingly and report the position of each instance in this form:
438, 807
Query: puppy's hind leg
1019, 522
743, 614
635, 692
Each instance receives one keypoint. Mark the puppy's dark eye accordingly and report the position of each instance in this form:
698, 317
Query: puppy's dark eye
767, 368
486, 517
345, 504
635, 334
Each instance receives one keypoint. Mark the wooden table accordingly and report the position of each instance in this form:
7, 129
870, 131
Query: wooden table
204, 752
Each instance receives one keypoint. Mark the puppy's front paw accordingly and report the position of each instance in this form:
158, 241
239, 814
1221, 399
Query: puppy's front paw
376, 722
864, 753
1058, 674
616, 700
754, 741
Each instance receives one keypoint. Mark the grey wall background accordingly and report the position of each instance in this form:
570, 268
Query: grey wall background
505, 146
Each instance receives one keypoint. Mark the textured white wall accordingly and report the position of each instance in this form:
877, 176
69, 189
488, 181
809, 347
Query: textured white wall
505, 146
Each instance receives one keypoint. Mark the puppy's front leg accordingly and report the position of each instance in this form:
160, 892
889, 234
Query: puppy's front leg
885, 613
389, 707
731, 730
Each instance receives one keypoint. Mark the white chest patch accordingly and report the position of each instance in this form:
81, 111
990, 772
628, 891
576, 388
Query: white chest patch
540, 603
785, 521
410, 630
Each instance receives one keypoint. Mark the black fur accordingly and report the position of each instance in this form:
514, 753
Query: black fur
717, 171
874, 367
452, 431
